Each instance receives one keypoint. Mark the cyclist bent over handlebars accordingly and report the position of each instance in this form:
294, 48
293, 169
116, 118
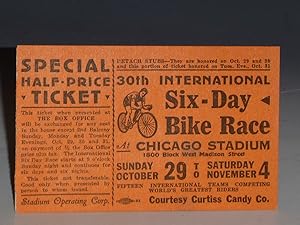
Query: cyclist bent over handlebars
135, 101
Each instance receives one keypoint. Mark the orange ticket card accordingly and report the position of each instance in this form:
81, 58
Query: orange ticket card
146, 128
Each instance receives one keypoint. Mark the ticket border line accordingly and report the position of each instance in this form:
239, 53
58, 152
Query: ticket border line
113, 132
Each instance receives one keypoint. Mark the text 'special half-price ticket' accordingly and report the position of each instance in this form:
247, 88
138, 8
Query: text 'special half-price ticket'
146, 128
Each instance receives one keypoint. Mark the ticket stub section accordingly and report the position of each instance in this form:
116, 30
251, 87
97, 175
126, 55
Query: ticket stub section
146, 128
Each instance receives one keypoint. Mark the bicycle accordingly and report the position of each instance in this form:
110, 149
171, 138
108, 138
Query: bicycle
146, 122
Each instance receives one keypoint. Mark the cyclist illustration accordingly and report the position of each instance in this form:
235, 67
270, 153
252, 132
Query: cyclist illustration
135, 106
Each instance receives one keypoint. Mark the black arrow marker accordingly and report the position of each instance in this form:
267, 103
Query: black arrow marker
266, 100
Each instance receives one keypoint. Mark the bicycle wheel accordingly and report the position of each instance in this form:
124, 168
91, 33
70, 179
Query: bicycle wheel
147, 125
121, 123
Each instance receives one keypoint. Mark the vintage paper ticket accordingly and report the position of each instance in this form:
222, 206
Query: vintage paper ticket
146, 128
